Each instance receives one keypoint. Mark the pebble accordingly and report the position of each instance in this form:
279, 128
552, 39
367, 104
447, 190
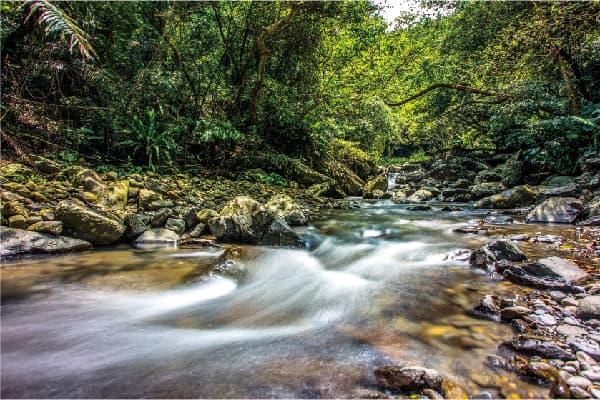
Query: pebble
510, 313
579, 393
585, 360
557, 295
547, 319
570, 330
571, 321
595, 391
432, 394
592, 374
570, 369
569, 301
579, 381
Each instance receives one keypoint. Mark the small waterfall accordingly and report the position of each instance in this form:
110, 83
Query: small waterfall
391, 178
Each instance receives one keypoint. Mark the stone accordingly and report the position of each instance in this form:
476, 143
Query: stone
592, 374
420, 195
473, 229
189, 215
205, 215
46, 166
521, 276
136, 225
284, 207
485, 189
432, 394
486, 308
542, 370
94, 226
585, 360
519, 238
159, 237
453, 390
579, 381
198, 230
18, 241
519, 196
326, 189
280, 234
419, 208
145, 197
498, 220
496, 251
456, 194
160, 217
512, 170
589, 308
510, 313
88, 197
380, 182
488, 176
396, 378
559, 269
176, 225
579, 393
11, 208
52, 227
17, 222
159, 204
540, 348
117, 194
89, 180
556, 210
569, 301
570, 330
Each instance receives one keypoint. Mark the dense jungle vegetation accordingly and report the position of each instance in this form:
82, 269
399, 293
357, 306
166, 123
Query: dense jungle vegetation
229, 86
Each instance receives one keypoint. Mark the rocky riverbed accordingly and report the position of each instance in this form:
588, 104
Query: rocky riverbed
552, 308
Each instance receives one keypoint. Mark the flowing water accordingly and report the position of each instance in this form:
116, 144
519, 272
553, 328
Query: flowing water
379, 285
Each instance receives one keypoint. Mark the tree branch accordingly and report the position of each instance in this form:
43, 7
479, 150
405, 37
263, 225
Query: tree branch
454, 86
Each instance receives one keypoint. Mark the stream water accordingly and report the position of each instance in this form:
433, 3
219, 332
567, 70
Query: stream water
379, 285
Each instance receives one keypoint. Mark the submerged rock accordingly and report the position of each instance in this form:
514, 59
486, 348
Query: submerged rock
19, 241
556, 209
396, 378
82, 222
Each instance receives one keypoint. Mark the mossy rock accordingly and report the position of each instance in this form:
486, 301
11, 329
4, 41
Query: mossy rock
94, 226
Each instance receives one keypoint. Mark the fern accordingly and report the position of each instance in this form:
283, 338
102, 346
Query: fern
56, 21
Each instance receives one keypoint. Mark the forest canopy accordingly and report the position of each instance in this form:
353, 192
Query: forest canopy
248, 84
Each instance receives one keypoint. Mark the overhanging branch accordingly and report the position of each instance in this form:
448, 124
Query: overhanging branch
454, 86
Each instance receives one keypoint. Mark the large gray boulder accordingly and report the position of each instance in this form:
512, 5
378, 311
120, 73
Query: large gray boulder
556, 209
244, 220
94, 226
519, 196
19, 241
159, 237
559, 269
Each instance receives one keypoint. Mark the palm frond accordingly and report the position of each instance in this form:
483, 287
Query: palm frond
56, 21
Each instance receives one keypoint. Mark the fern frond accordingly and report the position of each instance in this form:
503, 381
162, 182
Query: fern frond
56, 21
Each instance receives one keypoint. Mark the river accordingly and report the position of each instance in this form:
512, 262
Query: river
379, 285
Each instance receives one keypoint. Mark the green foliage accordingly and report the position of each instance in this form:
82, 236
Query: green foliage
417, 156
274, 179
68, 156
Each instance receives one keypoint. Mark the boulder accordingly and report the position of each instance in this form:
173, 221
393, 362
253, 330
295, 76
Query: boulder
18, 241
205, 215
284, 207
198, 230
89, 180
488, 176
544, 349
17, 222
589, 308
159, 237
380, 182
456, 194
557, 210
145, 197
485, 189
244, 220
494, 252
136, 225
512, 170
455, 168
397, 378
303, 174
46, 166
409, 173
344, 177
326, 189
176, 225
562, 191
558, 269
82, 222
117, 194
160, 217
519, 196
52, 227
420, 195
10, 208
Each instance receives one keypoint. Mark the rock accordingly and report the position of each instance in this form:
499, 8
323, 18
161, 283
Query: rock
488, 176
285, 208
456, 194
559, 269
451, 208
408, 173
542, 370
512, 170
473, 229
159, 204
95, 226
136, 225
326, 189
521, 276
52, 227
486, 189
579, 393
304, 175
16, 172
591, 348
160, 217
540, 348
519, 238
589, 308
498, 220
556, 209
456, 167
396, 378
419, 208
421, 195
17, 222
176, 225
205, 215
280, 234
242, 220
578, 381
159, 237
380, 182
89, 180
432, 394
189, 215
117, 195
585, 360
516, 312
145, 197
18, 241
570, 330
198, 230
46, 166
88, 197
11, 208
453, 390
592, 374
519, 196
564, 191
498, 250
486, 308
